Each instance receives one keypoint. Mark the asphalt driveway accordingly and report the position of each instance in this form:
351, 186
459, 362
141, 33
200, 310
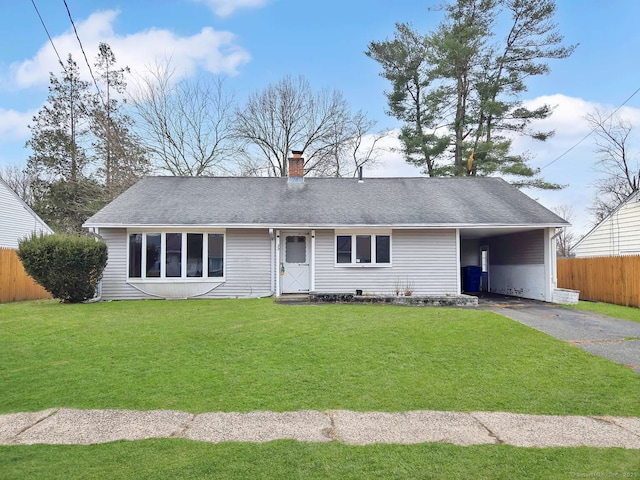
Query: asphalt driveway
611, 338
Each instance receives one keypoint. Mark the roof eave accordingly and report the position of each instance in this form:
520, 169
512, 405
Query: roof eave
327, 225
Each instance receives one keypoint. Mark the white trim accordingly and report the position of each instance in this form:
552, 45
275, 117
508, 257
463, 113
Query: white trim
550, 264
367, 231
308, 245
373, 233
175, 229
163, 262
458, 272
312, 283
278, 265
328, 226
183, 256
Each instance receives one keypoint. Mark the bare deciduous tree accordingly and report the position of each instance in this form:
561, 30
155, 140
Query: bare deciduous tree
620, 170
356, 148
185, 124
287, 116
566, 238
20, 180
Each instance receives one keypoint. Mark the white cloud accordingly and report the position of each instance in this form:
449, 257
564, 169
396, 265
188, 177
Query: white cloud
568, 158
210, 50
224, 8
14, 125
391, 162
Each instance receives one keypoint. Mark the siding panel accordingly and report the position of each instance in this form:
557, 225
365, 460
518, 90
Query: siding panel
617, 235
426, 259
248, 270
247, 267
114, 278
523, 248
16, 219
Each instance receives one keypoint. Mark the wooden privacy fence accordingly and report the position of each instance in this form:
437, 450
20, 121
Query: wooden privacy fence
15, 284
604, 279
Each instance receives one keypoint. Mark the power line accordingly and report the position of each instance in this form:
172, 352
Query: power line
47, 31
84, 53
591, 132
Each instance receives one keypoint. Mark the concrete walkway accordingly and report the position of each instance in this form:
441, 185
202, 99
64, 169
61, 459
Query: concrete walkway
83, 427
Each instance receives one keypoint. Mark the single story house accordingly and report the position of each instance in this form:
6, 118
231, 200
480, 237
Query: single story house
616, 234
177, 237
17, 220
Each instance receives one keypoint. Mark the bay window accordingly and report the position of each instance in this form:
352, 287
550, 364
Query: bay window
363, 249
176, 255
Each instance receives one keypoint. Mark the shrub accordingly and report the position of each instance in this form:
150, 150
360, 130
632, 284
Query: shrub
67, 266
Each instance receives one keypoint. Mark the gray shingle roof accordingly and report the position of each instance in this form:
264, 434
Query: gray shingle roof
235, 201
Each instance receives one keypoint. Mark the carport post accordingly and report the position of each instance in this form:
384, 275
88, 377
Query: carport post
549, 264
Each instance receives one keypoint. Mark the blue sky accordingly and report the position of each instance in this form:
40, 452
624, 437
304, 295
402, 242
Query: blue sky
256, 42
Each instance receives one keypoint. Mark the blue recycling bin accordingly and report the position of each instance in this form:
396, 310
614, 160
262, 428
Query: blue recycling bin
471, 278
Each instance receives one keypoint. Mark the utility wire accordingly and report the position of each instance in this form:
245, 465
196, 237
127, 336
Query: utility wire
84, 54
47, 31
591, 132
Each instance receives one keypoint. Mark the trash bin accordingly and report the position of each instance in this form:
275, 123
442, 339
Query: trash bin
471, 278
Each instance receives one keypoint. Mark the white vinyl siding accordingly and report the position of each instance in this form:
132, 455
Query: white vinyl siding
619, 234
247, 265
426, 259
17, 221
516, 264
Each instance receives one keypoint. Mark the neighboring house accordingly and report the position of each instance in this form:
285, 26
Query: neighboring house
17, 220
617, 234
177, 237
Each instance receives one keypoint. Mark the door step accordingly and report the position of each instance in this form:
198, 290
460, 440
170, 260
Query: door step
293, 298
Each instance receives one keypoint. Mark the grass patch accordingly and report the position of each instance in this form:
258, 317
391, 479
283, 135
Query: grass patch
243, 355
616, 311
170, 459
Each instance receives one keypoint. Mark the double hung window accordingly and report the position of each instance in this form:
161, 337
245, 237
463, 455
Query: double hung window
176, 255
363, 249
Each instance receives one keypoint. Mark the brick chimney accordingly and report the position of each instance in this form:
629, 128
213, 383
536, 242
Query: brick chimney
296, 166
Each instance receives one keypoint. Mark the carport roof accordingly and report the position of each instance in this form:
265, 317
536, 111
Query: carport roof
330, 202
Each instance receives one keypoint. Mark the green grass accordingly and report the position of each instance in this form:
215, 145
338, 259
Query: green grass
243, 355
616, 311
171, 459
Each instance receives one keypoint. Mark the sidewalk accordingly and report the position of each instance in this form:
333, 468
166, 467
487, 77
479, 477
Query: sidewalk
82, 427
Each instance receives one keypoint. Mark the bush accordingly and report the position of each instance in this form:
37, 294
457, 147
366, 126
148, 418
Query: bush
67, 266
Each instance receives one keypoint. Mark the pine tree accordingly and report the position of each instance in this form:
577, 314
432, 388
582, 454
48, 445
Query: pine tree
458, 90
64, 194
118, 152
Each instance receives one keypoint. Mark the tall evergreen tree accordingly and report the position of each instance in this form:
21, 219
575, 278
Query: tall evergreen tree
64, 195
60, 130
458, 90
120, 158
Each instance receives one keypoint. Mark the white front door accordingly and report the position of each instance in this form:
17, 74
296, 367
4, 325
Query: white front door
295, 263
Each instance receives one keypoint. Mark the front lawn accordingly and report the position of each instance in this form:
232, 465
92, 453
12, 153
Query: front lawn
243, 355
182, 459
616, 311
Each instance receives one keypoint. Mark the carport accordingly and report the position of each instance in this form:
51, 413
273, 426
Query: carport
515, 261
